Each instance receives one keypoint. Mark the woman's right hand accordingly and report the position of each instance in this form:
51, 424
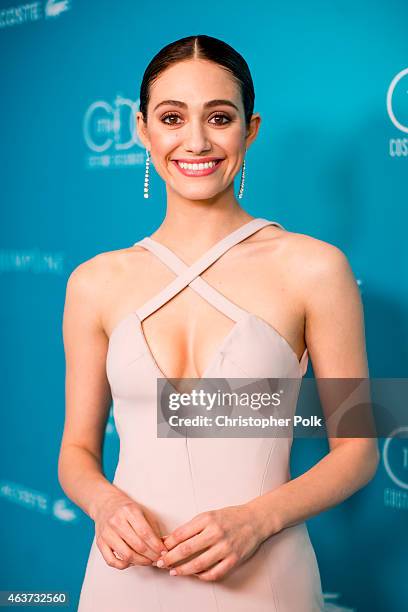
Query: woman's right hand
125, 527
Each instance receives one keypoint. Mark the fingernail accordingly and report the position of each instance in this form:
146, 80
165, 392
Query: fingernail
173, 572
163, 552
160, 563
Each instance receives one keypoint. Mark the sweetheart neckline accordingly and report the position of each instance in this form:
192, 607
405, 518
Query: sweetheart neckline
219, 348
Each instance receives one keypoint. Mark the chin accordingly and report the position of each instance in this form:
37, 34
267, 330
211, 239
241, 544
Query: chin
197, 194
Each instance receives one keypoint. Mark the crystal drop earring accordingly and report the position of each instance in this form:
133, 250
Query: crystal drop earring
242, 184
146, 178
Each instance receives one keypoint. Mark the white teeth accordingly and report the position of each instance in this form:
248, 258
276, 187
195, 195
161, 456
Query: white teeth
199, 166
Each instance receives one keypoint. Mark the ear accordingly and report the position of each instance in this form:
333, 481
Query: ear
253, 129
142, 130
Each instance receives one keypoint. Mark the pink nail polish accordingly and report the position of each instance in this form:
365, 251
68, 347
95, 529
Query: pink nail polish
173, 572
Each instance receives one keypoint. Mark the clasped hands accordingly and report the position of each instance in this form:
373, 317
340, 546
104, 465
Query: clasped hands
207, 546
218, 540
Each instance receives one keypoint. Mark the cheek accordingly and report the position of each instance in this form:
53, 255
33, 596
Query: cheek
164, 140
230, 140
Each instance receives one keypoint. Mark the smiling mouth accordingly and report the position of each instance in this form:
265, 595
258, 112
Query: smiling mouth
197, 169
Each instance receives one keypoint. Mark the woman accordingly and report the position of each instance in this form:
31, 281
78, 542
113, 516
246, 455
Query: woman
205, 524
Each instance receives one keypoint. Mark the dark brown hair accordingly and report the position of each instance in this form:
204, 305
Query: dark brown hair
200, 47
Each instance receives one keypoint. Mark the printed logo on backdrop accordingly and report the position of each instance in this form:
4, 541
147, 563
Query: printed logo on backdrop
53, 8
331, 604
110, 428
31, 260
397, 108
395, 459
360, 285
38, 501
33, 11
63, 510
110, 134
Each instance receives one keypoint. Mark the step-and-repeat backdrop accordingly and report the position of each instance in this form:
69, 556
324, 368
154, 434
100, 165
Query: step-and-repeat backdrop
331, 161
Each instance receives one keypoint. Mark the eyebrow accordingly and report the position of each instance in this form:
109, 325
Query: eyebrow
208, 104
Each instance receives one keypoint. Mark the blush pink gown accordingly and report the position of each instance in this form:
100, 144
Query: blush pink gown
181, 477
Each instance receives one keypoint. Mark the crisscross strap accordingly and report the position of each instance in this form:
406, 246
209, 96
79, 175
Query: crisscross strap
201, 286
190, 275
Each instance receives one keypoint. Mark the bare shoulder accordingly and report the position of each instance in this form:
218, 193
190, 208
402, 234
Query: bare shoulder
94, 279
100, 268
306, 254
311, 269
315, 257
319, 268
87, 276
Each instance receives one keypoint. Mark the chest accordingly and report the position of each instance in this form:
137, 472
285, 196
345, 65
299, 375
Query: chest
185, 333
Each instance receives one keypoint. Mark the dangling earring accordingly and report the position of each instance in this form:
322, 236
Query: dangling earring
146, 178
242, 184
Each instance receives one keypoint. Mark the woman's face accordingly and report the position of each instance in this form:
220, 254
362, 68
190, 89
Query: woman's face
189, 128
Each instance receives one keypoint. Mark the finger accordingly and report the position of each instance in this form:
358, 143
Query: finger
187, 530
141, 527
161, 565
111, 557
152, 521
136, 559
202, 562
218, 571
182, 551
127, 554
134, 541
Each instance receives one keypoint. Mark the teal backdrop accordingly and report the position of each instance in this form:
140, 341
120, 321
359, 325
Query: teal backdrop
330, 161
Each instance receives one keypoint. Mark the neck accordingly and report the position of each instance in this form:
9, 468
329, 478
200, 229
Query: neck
198, 224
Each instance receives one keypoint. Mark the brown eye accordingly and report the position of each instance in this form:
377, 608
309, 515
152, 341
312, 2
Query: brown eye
169, 115
221, 116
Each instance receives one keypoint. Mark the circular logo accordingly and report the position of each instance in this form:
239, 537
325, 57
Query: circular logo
399, 103
395, 456
108, 125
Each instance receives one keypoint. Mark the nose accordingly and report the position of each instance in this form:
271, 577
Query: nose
196, 138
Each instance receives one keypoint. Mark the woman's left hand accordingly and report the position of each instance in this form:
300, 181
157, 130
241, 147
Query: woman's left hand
225, 537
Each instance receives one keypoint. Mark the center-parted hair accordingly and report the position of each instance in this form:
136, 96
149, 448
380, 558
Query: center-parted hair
206, 48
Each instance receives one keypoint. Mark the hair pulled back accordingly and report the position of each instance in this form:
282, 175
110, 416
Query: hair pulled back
205, 47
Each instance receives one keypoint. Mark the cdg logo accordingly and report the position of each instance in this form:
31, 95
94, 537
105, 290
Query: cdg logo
392, 104
111, 125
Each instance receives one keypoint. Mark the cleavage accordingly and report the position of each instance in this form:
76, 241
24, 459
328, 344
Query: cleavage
184, 334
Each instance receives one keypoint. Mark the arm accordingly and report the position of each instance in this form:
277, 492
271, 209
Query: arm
86, 391
123, 526
336, 342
